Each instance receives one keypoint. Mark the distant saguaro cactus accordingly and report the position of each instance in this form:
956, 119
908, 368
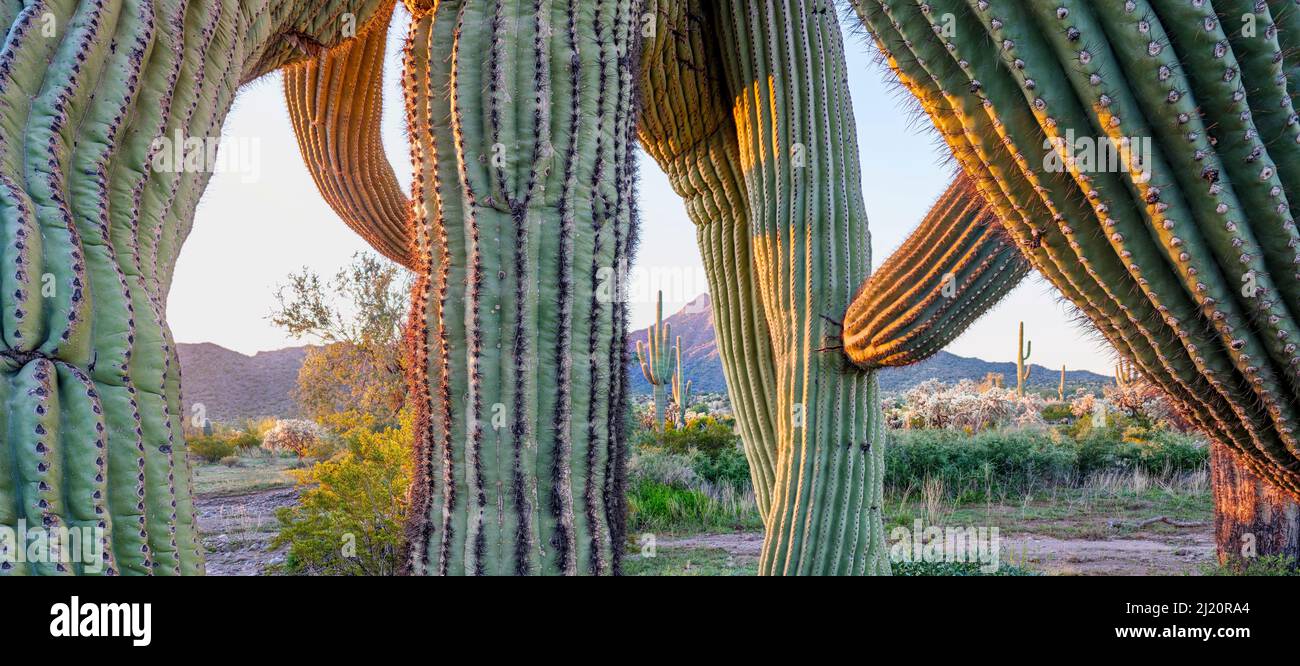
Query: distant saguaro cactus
1060, 388
681, 388
1023, 369
656, 361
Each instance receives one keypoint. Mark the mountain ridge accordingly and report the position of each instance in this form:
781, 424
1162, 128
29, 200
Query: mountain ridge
232, 386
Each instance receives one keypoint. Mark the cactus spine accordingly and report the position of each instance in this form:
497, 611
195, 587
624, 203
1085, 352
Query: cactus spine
522, 115
681, 389
1023, 350
656, 361
763, 151
93, 213
1184, 257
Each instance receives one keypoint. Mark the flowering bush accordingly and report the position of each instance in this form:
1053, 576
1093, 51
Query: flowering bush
965, 405
302, 438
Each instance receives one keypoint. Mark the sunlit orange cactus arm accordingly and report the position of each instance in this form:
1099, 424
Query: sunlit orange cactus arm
335, 102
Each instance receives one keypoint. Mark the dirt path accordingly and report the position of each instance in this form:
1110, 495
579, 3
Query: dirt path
1145, 554
237, 530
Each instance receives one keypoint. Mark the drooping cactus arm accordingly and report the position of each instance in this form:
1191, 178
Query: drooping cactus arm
686, 125
954, 267
335, 102
1212, 216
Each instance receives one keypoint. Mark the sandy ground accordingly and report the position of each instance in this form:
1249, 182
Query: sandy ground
237, 531
1144, 554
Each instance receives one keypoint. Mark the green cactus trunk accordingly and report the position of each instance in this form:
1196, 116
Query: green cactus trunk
1185, 259
525, 187
91, 224
681, 386
760, 144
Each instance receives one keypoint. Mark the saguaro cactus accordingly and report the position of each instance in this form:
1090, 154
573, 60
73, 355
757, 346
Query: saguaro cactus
1060, 388
524, 201
762, 149
93, 212
1183, 248
681, 388
1126, 373
656, 361
1023, 369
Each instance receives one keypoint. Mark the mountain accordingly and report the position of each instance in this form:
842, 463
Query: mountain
233, 387
704, 368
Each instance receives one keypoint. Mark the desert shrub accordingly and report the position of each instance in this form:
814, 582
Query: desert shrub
1056, 411
662, 467
955, 569
294, 436
350, 514
726, 466
975, 467
210, 449
963, 406
1013, 462
706, 434
231, 461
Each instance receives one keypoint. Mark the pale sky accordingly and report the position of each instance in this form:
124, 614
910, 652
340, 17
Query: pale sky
254, 229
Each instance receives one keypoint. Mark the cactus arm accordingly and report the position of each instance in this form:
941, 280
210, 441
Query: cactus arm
1196, 372
687, 126
957, 264
1092, 275
335, 103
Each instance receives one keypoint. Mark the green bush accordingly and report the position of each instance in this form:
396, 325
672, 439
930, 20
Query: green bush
954, 569
706, 435
1057, 411
1012, 462
351, 510
657, 507
210, 449
727, 466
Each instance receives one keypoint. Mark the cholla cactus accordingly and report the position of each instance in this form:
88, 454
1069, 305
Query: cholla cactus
295, 436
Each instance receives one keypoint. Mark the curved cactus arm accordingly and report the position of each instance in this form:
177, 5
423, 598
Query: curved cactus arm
956, 265
686, 125
1206, 208
335, 102
93, 212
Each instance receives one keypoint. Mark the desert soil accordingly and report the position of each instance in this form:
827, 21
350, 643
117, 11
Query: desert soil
237, 531
1184, 553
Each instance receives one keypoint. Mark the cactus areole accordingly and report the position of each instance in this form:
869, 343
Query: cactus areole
92, 218
1183, 250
